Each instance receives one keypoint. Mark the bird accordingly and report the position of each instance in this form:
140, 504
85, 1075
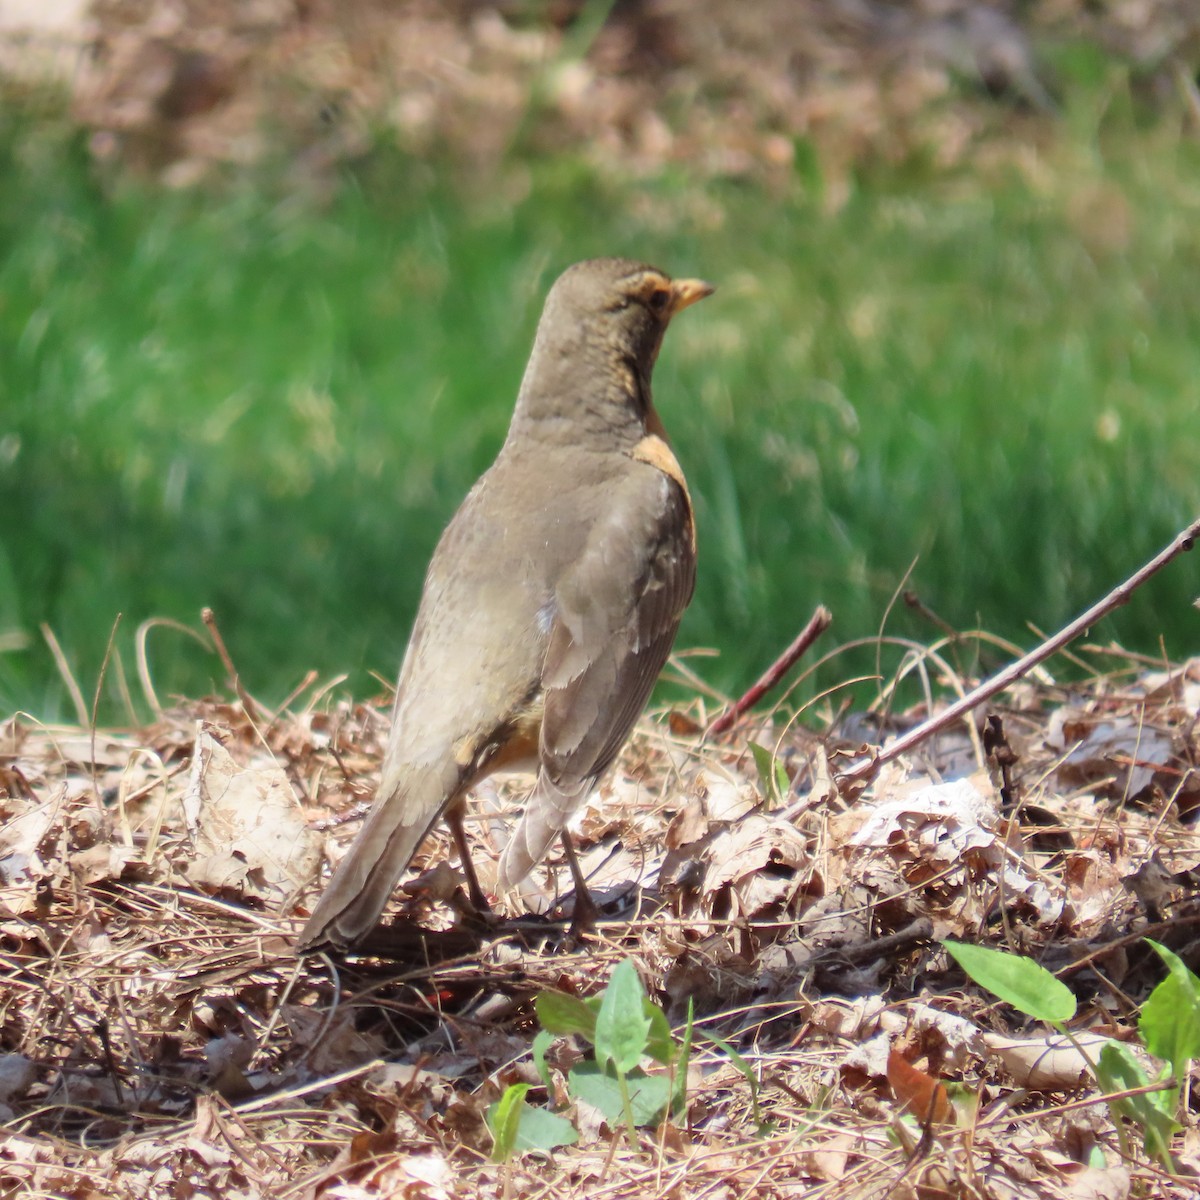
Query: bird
550, 604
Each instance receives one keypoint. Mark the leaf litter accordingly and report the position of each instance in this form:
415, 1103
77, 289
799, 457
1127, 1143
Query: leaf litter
160, 1038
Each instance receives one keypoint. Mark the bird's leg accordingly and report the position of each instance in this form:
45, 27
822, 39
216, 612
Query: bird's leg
585, 914
454, 818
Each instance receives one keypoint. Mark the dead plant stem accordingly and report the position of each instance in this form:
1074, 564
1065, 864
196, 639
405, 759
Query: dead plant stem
817, 624
865, 769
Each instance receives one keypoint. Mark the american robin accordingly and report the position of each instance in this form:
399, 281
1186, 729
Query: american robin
551, 602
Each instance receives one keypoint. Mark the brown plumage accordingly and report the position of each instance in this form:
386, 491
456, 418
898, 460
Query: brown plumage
551, 601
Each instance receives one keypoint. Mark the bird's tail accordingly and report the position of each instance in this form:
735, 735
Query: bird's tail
403, 813
546, 814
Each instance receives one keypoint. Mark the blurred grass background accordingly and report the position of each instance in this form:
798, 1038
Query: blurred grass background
270, 403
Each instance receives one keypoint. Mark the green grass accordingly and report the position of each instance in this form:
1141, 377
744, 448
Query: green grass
251, 401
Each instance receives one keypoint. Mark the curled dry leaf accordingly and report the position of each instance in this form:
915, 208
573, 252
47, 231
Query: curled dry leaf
875, 1027
960, 1040
330, 1046
759, 859
828, 1158
1117, 748
420, 1176
104, 861
688, 825
870, 1056
1096, 1183
849, 1019
952, 831
248, 832
918, 1092
1045, 1064
25, 824
725, 794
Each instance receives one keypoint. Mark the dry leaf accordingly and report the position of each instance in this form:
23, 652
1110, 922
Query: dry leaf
248, 831
952, 831
1045, 1064
1096, 1183
918, 1092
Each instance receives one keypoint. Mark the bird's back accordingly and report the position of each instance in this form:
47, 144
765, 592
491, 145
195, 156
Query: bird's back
479, 642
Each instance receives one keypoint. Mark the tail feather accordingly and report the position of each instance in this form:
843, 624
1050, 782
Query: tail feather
547, 812
352, 903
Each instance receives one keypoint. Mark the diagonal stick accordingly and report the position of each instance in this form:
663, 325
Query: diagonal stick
817, 624
865, 769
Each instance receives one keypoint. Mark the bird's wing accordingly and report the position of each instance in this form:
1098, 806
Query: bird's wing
615, 617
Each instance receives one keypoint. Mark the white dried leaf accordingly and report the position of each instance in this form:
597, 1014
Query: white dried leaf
249, 834
750, 845
871, 1056
725, 795
942, 822
1045, 1064
942, 825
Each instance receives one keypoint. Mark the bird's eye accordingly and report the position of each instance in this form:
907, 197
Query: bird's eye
659, 299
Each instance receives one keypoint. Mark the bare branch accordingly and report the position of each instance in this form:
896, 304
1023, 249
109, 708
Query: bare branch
820, 621
863, 770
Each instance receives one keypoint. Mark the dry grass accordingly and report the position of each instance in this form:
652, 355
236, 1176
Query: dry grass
161, 1039
209, 84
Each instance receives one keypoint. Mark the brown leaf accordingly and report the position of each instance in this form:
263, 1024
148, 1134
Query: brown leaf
922, 1095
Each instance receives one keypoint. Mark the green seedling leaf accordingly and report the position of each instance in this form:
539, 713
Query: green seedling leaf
1118, 1071
562, 1014
542, 1130
660, 1045
1016, 980
517, 1125
683, 1060
648, 1094
541, 1043
504, 1120
1170, 1020
622, 1027
1168, 1028
583, 30
964, 1099
772, 776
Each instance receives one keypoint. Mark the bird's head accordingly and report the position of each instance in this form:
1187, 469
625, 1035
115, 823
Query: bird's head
598, 339
624, 305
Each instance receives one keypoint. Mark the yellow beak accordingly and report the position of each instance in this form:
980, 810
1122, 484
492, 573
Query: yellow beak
686, 292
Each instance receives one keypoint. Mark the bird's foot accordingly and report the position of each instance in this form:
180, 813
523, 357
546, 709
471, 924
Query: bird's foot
585, 915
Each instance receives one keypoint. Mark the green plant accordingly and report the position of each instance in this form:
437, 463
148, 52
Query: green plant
517, 1125
773, 778
1169, 1027
626, 1030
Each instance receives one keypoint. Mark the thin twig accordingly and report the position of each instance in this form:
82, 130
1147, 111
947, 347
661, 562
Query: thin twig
1040, 1114
865, 769
309, 679
820, 621
123, 689
913, 601
110, 1061
64, 669
210, 620
1188, 90
316, 1085
143, 657
112, 637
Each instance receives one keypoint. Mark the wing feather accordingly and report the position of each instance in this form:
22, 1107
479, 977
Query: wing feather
615, 618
